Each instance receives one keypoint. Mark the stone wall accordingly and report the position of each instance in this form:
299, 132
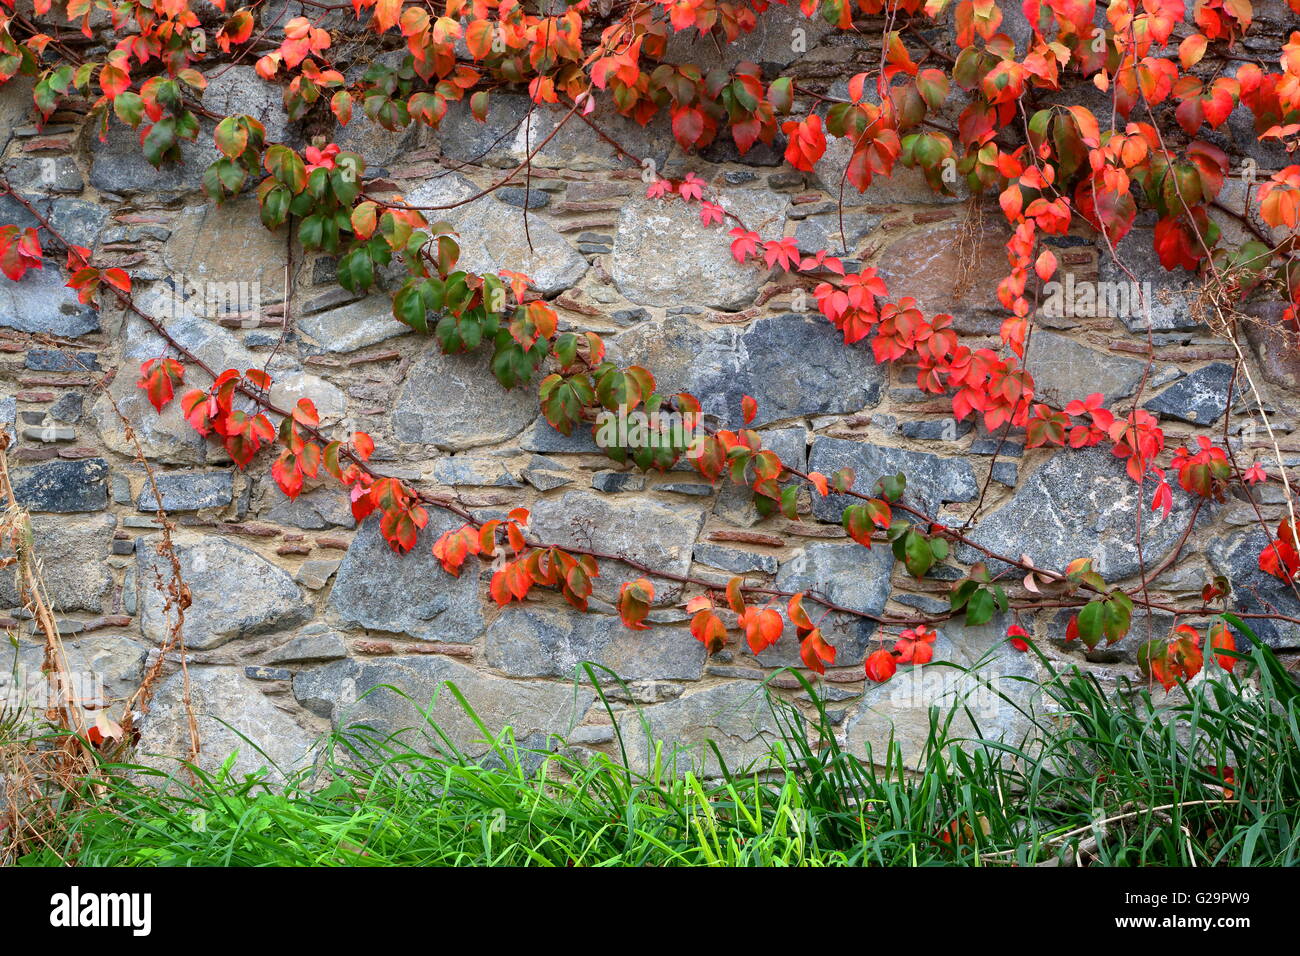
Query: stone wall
297, 613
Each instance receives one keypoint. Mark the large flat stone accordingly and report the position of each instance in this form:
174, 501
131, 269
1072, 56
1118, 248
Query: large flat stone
528, 641
408, 593
946, 267
848, 575
1168, 294
1064, 370
660, 536
1254, 592
63, 486
188, 491
233, 715
235, 592
931, 480
492, 235
664, 256
406, 695
213, 246
795, 366
985, 700
41, 302
72, 553
352, 326
1082, 504
1201, 397
735, 715
119, 166
454, 402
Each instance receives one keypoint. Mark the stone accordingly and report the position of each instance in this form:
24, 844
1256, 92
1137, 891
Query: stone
657, 535
63, 486
474, 471
544, 475
1200, 397
167, 437
410, 593
316, 574
56, 360
237, 90
234, 718
105, 668
1236, 556
823, 231
319, 645
528, 641
1064, 370
352, 326
542, 436
40, 302
50, 433
188, 491
119, 166
9, 413
721, 364
68, 408
846, 574
235, 592
57, 174
1168, 296
735, 503
258, 672
931, 480
405, 695
734, 559
315, 510
72, 553
664, 256
735, 715
492, 236
947, 268
523, 198
1081, 504
454, 403
612, 482
214, 248
79, 221
992, 684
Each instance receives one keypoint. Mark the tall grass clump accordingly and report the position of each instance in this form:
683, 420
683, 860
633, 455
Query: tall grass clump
1207, 775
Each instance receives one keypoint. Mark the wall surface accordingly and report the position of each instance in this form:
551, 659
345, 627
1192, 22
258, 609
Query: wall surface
297, 612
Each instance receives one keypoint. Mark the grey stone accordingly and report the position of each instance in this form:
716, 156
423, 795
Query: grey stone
51, 173
72, 553
1169, 294
466, 470
983, 698
523, 198
239, 90
79, 221
213, 249
528, 641
656, 535
353, 326
734, 559
845, 574
41, 302
1005, 472
316, 574
492, 236
408, 593
55, 360
106, 668
1064, 370
405, 695
63, 486
315, 510
453, 402
931, 480
664, 256
50, 433
233, 716
934, 429
721, 364
1201, 397
258, 672
696, 489
9, 413
612, 482
824, 231
735, 715
119, 166
543, 475
1254, 592
1081, 504
188, 491
736, 502
320, 646
541, 436
235, 592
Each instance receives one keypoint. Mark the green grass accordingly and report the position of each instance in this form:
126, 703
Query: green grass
1143, 765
